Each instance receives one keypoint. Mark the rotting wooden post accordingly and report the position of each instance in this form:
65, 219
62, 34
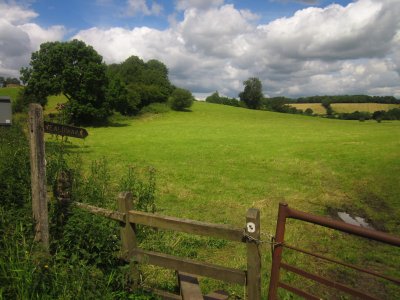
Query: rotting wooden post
253, 284
38, 175
128, 234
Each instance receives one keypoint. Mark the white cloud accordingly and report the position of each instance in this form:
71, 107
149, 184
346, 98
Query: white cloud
16, 14
318, 50
19, 38
332, 50
135, 7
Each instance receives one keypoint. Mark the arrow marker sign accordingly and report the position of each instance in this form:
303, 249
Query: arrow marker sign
65, 130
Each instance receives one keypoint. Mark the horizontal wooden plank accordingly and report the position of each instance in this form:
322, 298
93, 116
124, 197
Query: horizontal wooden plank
108, 213
190, 266
188, 226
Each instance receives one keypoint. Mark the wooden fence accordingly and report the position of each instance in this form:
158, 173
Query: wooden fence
251, 277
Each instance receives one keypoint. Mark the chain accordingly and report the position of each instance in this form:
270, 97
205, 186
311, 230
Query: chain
269, 240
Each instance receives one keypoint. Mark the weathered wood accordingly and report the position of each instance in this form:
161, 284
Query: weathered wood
217, 295
38, 175
128, 235
128, 230
253, 254
65, 130
108, 213
188, 226
165, 295
190, 266
189, 286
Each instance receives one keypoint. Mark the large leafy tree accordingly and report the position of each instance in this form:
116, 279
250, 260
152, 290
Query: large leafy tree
146, 82
75, 70
252, 93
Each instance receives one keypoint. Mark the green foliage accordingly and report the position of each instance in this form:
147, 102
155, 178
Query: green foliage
216, 98
252, 93
95, 187
4, 81
144, 83
327, 105
26, 273
348, 99
123, 99
14, 166
309, 111
90, 239
156, 108
142, 186
74, 69
391, 114
181, 99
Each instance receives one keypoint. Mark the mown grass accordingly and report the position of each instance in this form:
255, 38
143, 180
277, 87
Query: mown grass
215, 162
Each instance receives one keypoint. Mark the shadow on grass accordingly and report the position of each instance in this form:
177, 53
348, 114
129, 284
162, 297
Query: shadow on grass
185, 110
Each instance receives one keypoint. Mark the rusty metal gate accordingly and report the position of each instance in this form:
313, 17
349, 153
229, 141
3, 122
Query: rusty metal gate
277, 264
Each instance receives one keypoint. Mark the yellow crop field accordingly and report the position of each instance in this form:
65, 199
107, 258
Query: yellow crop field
345, 107
316, 107
370, 107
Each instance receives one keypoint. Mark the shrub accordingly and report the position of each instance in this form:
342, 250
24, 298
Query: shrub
180, 99
142, 186
156, 108
14, 166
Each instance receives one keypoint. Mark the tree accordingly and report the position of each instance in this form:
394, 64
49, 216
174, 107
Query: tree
149, 79
181, 99
2, 81
214, 98
75, 70
327, 105
252, 94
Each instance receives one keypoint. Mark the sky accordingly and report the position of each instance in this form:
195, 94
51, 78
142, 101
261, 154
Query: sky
296, 48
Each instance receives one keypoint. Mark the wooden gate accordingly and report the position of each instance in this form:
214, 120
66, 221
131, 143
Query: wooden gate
187, 268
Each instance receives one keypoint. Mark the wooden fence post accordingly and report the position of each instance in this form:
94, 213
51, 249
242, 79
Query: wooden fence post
253, 255
128, 234
38, 175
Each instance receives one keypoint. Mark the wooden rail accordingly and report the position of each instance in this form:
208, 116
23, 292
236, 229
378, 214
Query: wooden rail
128, 218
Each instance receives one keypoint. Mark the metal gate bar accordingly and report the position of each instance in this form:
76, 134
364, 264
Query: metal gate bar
286, 212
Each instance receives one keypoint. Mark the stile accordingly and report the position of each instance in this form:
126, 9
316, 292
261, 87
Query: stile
253, 255
38, 175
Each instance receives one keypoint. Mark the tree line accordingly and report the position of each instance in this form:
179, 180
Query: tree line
253, 98
95, 90
4, 81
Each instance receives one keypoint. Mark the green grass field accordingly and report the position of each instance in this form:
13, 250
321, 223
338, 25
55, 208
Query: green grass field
215, 162
12, 92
